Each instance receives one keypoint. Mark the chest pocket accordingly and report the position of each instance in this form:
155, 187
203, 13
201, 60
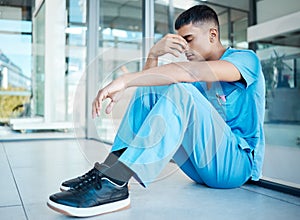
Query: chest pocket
234, 104
233, 97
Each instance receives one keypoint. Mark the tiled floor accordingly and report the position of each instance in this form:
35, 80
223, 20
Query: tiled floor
31, 170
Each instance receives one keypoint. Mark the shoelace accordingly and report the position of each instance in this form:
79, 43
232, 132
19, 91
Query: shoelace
92, 177
88, 174
92, 172
93, 180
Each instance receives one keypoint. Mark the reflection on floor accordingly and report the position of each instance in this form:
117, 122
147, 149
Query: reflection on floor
31, 170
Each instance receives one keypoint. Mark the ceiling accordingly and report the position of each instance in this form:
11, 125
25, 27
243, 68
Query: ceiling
236, 4
17, 3
127, 14
273, 32
287, 39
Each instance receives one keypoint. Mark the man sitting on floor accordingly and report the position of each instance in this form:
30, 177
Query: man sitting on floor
206, 114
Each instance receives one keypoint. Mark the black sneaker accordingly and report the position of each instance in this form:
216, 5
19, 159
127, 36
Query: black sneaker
72, 183
94, 196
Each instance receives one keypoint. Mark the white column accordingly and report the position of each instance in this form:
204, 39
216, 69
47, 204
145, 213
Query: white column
148, 27
55, 21
93, 74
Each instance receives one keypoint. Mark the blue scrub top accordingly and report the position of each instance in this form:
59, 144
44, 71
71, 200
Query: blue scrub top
242, 103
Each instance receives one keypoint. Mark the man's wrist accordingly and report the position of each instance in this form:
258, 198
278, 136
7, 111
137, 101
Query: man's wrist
126, 79
152, 56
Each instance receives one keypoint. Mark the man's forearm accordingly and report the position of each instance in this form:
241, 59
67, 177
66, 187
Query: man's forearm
156, 76
183, 72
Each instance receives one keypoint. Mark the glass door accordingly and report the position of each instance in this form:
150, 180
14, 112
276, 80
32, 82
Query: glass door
282, 122
38, 77
120, 51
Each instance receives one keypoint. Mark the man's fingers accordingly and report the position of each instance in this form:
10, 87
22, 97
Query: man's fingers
97, 105
174, 52
177, 39
95, 109
174, 49
111, 91
109, 107
180, 42
177, 47
94, 112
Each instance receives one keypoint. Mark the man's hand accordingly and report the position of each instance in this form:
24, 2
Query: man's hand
170, 43
113, 91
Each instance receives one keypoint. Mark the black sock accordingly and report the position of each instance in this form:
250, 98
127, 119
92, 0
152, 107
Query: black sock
113, 157
119, 173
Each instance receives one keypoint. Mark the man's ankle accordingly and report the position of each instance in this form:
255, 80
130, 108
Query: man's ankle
113, 157
119, 173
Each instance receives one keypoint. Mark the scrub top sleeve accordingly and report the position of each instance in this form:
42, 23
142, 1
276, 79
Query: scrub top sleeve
247, 63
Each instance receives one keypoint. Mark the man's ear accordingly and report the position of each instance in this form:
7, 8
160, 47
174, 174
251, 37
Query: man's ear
213, 34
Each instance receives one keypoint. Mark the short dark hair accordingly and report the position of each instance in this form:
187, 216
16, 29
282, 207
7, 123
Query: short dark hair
197, 13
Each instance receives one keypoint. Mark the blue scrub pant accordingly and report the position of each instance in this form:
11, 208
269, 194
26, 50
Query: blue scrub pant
177, 121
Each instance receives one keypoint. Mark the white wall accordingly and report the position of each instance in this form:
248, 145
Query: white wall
55, 21
271, 9
10, 13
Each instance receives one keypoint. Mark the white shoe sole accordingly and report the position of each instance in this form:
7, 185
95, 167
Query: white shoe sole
64, 188
87, 212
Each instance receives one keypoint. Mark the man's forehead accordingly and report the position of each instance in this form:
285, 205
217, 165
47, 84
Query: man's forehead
192, 28
188, 29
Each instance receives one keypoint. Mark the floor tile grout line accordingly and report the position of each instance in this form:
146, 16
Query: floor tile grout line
276, 198
7, 206
15, 181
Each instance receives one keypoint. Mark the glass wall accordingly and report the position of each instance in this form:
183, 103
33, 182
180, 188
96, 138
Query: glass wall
279, 52
75, 59
38, 70
120, 51
282, 121
15, 62
35, 65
